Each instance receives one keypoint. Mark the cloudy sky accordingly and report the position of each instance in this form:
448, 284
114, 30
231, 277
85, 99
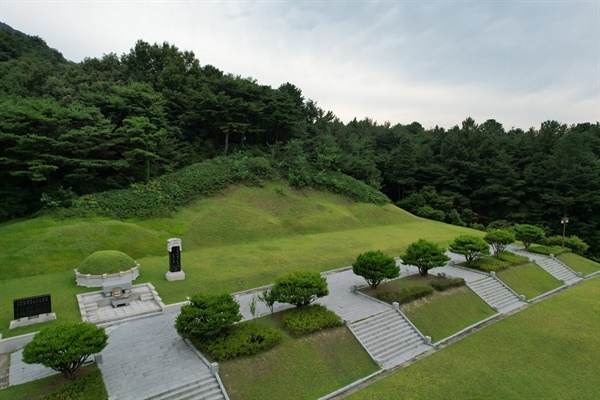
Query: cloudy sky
435, 62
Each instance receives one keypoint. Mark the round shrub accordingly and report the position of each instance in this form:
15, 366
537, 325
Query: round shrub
106, 262
244, 340
299, 288
207, 316
405, 295
301, 321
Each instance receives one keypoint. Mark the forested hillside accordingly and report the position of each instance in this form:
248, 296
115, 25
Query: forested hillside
70, 129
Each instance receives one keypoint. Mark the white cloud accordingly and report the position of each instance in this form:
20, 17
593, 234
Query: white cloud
433, 62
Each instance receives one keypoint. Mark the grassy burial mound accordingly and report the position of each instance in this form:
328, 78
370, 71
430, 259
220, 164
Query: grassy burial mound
106, 262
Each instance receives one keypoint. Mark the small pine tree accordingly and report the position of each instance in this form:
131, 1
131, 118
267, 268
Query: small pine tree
528, 234
64, 347
375, 267
300, 288
471, 247
207, 316
424, 255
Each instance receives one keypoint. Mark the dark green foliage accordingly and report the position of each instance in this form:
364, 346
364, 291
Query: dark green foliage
512, 258
243, 340
375, 267
442, 282
405, 295
472, 247
572, 242
488, 264
300, 288
499, 239
547, 250
528, 234
207, 317
64, 347
74, 129
301, 321
88, 387
424, 255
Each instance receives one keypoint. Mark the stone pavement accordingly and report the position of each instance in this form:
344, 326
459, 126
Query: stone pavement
146, 357
22, 373
341, 300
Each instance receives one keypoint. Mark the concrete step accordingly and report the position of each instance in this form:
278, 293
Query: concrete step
146, 296
390, 324
384, 350
205, 387
384, 334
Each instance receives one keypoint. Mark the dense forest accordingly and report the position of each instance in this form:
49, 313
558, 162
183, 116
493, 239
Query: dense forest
69, 129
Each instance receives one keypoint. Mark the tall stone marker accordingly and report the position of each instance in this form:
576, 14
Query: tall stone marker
175, 273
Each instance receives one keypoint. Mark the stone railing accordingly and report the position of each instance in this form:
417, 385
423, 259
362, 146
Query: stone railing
89, 280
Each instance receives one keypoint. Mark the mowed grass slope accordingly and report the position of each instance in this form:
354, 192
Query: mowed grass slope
547, 351
242, 239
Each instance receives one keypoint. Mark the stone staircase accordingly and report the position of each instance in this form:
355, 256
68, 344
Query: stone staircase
207, 388
496, 294
389, 338
557, 269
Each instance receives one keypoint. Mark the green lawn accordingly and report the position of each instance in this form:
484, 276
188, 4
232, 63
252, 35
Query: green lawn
242, 239
529, 280
547, 351
93, 389
579, 264
445, 313
307, 367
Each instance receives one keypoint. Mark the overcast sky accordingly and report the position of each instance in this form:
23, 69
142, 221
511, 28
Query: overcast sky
435, 62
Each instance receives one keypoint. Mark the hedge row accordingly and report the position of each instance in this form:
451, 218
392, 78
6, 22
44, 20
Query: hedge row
405, 295
244, 340
313, 318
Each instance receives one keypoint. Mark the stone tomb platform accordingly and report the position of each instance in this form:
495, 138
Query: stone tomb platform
96, 308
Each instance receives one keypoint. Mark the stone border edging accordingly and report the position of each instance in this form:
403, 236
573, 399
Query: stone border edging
352, 385
214, 367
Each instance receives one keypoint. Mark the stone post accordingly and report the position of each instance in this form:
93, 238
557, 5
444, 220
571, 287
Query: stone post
353, 289
427, 339
396, 305
214, 368
175, 273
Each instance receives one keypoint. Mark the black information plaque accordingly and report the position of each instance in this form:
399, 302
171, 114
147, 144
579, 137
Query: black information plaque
30, 306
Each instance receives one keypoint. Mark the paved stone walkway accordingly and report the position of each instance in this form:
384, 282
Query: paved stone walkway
145, 357
22, 373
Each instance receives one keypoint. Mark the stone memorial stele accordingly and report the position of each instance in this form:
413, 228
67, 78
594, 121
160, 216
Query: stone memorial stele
32, 310
175, 273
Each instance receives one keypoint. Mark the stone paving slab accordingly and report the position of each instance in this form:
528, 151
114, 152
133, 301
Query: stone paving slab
22, 373
455, 272
146, 356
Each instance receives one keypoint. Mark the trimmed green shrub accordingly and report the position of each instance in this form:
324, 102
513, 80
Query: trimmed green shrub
488, 264
299, 288
442, 282
106, 262
301, 321
572, 242
547, 250
472, 247
405, 295
512, 258
244, 340
499, 239
375, 267
528, 234
424, 255
207, 316
66, 346
88, 387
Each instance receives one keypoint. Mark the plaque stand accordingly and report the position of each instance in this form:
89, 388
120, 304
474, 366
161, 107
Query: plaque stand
175, 276
36, 319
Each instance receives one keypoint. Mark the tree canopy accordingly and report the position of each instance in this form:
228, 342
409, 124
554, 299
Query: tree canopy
471, 247
424, 255
72, 129
375, 267
64, 347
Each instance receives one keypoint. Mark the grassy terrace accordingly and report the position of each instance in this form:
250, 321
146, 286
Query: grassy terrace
307, 367
241, 239
547, 351
579, 264
529, 280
